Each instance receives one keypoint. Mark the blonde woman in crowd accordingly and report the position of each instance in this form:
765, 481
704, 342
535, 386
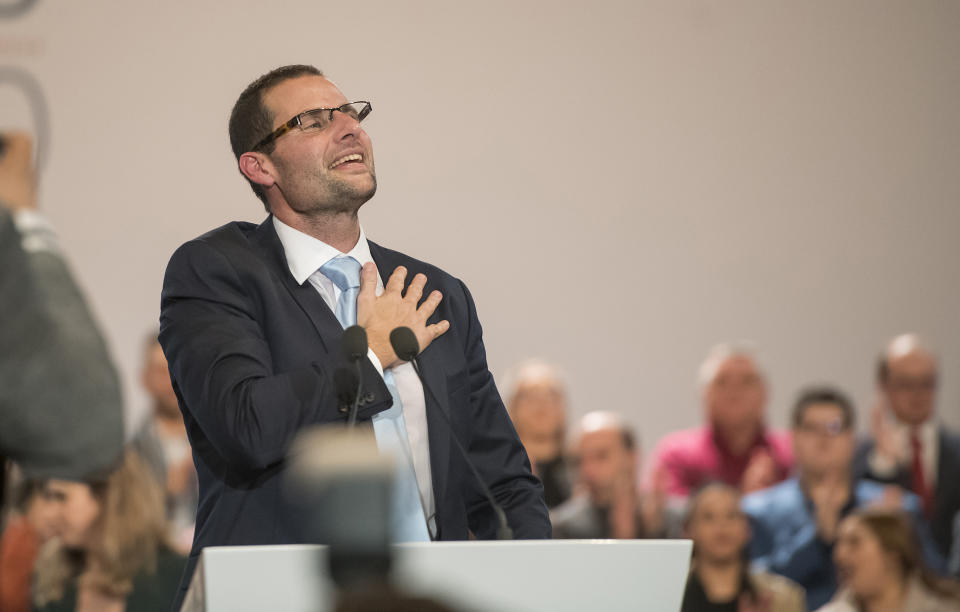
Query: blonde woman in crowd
110, 553
881, 569
719, 576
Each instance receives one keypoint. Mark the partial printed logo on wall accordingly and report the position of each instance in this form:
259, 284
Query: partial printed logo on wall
14, 8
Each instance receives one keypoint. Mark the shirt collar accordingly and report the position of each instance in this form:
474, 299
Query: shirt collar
305, 254
926, 431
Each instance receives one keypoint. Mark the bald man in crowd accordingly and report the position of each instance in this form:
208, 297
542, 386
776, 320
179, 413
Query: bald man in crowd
537, 404
734, 445
908, 445
608, 502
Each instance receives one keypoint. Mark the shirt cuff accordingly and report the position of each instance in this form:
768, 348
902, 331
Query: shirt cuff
375, 361
36, 232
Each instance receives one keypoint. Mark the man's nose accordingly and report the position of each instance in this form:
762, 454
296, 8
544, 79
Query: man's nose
345, 125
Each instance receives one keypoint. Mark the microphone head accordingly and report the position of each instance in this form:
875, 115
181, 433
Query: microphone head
355, 343
345, 385
404, 343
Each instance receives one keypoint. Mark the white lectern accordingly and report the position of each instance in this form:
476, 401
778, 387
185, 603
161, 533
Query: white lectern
518, 576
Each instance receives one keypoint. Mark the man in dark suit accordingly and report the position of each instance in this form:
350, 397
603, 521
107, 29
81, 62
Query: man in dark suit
908, 446
251, 323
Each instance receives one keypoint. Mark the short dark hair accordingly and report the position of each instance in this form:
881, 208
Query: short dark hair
823, 395
251, 121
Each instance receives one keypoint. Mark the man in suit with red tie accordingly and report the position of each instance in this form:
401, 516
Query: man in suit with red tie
908, 445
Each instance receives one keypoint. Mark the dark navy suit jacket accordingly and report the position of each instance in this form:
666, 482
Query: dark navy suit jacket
252, 356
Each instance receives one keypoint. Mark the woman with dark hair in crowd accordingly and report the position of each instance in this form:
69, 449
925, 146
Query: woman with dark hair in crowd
110, 553
881, 568
719, 575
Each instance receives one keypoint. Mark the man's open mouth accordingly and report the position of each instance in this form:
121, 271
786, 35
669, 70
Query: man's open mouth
353, 157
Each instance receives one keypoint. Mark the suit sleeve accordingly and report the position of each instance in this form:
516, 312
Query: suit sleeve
222, 366
497, 452
59, 390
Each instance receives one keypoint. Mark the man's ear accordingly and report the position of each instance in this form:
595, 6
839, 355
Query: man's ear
257, 167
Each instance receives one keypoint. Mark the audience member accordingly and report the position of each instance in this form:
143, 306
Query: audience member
795, 523
719, 577
60, 407
608, 503
734, 446
914, 451
537, 404
111, 552
881, 568
167, 430
29, 526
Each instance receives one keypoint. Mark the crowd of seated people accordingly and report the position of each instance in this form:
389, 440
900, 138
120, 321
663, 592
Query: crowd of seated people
771, 512
153, 488
112, 550
721, 577
781, 520
881, 567
609, 502
98, 543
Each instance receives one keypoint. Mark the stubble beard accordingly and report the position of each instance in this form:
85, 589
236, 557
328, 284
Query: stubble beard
336, 196
343, 197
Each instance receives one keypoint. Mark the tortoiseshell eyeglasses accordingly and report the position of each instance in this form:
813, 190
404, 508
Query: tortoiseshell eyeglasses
317, 119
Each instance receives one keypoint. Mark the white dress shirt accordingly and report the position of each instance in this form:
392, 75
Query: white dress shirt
305, 255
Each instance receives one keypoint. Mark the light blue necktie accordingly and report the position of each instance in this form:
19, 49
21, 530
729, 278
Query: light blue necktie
408, 520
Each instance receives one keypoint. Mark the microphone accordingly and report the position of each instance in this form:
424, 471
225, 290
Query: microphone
355, 343
406, 346
354, 349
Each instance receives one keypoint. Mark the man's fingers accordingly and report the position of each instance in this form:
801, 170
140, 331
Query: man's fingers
395, 284
438, 329
368, 278
430, 304
415, 290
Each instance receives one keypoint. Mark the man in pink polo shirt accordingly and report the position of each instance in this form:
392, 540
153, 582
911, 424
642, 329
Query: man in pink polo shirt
734, 446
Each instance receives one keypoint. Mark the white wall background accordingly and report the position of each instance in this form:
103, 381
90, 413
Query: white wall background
620, 184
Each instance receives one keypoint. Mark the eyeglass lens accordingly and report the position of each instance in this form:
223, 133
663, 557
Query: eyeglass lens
322, 117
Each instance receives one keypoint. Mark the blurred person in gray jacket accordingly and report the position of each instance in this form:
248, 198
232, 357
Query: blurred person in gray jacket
60, 401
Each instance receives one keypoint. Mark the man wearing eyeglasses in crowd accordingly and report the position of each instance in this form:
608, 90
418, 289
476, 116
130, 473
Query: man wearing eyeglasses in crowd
794, 524
251, 322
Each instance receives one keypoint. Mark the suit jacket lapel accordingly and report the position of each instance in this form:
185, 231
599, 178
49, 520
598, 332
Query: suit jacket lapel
271, 249
432, 367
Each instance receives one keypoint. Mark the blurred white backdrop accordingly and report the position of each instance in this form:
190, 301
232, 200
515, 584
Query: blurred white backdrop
621, 185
